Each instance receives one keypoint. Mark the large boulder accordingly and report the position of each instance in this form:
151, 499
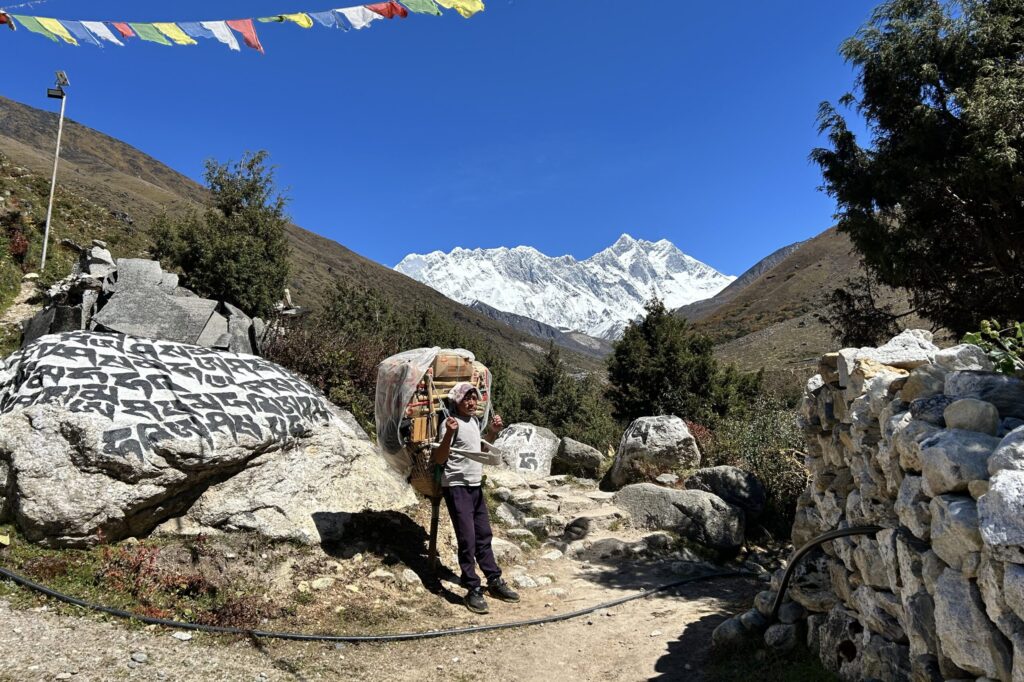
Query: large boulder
694, 514
577, 459
106, 436
652, 446
527, 449
734, 485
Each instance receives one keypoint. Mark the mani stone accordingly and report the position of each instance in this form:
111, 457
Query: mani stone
528, 450
971, 414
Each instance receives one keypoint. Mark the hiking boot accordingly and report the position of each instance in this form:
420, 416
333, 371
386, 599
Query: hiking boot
500, 589
475, 601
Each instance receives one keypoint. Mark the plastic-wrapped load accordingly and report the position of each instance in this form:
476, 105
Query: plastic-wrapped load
411, 400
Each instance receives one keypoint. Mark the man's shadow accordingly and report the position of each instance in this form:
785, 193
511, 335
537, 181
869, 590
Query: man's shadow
392, 536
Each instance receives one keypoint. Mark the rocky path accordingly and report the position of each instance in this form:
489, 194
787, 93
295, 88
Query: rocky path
663, 638
22, 307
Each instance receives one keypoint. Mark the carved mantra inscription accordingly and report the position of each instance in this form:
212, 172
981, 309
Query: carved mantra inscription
158, 390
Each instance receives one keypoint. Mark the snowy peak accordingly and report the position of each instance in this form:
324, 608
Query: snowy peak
597, 296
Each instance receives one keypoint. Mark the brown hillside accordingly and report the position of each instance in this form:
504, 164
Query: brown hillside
772, 322
122, 180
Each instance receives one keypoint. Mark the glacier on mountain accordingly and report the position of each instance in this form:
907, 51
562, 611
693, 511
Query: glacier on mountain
598, 296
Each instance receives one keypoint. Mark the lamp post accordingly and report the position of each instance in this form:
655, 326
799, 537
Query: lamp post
54, 93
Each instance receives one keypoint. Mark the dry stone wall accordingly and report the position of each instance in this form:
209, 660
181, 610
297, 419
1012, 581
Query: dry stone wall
929, 445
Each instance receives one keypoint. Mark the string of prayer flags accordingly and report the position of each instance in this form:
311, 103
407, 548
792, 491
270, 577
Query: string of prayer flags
185, 32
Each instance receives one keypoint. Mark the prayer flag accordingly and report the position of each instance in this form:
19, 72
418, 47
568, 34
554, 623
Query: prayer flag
328, 19
81, 32
57, 29
124, 29
100, 30
172, 31
31, 24
5, 19
149, 32
422, 7
359, 17
466, 8
248, 31
388, 10
195, 29
300, 18
221, 32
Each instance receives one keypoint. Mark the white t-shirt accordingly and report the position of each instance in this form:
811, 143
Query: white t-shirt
459, 470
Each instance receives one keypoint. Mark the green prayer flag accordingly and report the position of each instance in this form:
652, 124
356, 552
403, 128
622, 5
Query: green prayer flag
150, 32
32, 24
268, 20
422, 7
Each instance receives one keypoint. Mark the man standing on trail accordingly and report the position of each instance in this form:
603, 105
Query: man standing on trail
463, 494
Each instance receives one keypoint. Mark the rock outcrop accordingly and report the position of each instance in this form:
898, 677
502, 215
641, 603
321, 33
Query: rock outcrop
135, 296
652, 446
105, 436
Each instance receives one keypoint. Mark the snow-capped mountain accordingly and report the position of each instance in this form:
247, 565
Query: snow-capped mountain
598, 296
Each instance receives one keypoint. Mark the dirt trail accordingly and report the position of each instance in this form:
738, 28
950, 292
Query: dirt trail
665, 637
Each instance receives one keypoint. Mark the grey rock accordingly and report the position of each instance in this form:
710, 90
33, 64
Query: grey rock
839, 643
908, 350
728, 634
509, 515
1004, 391
667, 479
753, 621
971, 414
763, 602
1009, 453
965, 633
882, 659
528, 450
955, 531
878, 610
694, 514
999, 515
650, 446
912, 507
866, 559
961, 357
782, 637
150, 313
931, 410
1009, 424
791, 612
1013, 588
737, 487
577, 459
907, 440
132, 435
951, 459
923, 382
137, 273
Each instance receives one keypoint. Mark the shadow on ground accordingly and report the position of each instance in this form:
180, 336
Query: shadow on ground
688, 656
390, 535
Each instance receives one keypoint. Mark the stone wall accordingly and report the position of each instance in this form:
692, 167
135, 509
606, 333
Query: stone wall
928, 444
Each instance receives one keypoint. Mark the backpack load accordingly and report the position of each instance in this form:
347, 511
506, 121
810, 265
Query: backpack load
411, 403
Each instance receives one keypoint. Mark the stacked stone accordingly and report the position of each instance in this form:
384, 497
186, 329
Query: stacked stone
928, 444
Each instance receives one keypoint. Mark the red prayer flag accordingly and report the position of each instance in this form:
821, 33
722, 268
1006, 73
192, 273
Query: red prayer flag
124, 29
388, 10
248, 31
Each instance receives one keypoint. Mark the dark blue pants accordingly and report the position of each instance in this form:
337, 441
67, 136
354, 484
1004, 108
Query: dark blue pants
468, 511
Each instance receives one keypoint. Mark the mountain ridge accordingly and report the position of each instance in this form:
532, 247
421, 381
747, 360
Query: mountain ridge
598, 295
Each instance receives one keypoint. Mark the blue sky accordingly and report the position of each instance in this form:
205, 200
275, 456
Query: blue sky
554, 123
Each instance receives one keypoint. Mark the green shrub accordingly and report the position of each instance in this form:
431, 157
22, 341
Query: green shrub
1003, 345
765, 441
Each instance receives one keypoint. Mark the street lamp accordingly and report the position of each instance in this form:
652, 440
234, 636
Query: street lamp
54, 93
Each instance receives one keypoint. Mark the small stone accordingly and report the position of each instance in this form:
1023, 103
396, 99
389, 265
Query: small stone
323, 583
667, 479
781, 636
553, 555
380, 574
753, 621
655, 633
409, 577
791, 612
182, 636
524, 581
729, 633
63, 676
139, 657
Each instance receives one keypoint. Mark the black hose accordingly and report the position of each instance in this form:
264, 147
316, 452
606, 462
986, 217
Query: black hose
799, 554
25, 582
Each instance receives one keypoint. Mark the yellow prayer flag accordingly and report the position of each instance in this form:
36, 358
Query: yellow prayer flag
466, 8
173, 32
300, 18
57, 29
